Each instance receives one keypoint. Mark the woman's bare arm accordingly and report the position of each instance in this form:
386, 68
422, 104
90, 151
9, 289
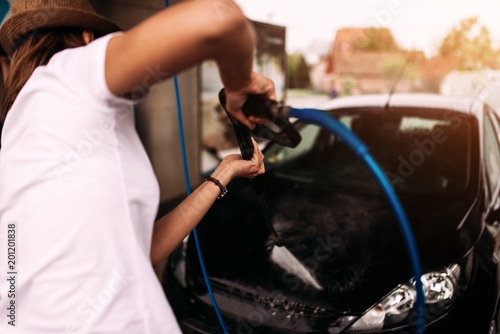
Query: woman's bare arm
171, 229
182, 36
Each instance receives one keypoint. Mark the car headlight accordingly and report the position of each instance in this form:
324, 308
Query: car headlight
396, 308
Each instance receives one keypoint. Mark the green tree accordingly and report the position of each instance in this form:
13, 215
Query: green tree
298, 71
376, 39
471, 43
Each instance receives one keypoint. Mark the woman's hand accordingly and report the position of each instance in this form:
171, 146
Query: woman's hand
235, 99
235, 166
173, 227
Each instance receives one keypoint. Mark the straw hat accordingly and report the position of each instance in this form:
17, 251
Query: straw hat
30, 15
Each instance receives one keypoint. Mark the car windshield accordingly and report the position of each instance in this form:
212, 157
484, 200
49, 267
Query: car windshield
421, 150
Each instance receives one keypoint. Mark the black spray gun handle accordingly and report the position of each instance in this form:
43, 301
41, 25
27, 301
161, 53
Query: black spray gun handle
280, 130
259, 106
243, 134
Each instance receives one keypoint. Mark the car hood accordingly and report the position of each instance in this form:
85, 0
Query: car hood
350, 243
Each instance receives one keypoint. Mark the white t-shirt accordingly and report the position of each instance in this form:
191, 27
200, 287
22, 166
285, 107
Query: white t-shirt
78, 199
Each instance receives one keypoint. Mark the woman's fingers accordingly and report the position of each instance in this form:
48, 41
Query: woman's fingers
243, 119
245, 168
258, 159
258, 85
262, 169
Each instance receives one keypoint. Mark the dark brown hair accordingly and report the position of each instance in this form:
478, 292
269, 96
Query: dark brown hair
35, 50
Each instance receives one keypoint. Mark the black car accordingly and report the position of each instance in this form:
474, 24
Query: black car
442, 156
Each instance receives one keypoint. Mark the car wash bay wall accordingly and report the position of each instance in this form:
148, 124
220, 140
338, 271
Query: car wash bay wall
156, 115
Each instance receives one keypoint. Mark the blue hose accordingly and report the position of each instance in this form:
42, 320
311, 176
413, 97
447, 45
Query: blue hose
188, 189
195, 233
328, 122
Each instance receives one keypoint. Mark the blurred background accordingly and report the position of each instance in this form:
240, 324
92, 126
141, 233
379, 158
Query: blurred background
358, 47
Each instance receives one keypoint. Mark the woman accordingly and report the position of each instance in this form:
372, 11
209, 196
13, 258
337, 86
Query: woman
77, 193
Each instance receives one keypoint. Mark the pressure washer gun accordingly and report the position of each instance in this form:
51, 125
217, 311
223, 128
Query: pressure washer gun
280, 130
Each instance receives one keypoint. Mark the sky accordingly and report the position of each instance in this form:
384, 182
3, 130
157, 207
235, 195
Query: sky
415, 24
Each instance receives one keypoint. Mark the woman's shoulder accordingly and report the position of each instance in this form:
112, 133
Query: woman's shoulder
80, 70
84, 54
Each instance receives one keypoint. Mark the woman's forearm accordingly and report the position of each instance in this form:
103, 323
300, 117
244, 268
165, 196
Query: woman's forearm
235, 59
171, 229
